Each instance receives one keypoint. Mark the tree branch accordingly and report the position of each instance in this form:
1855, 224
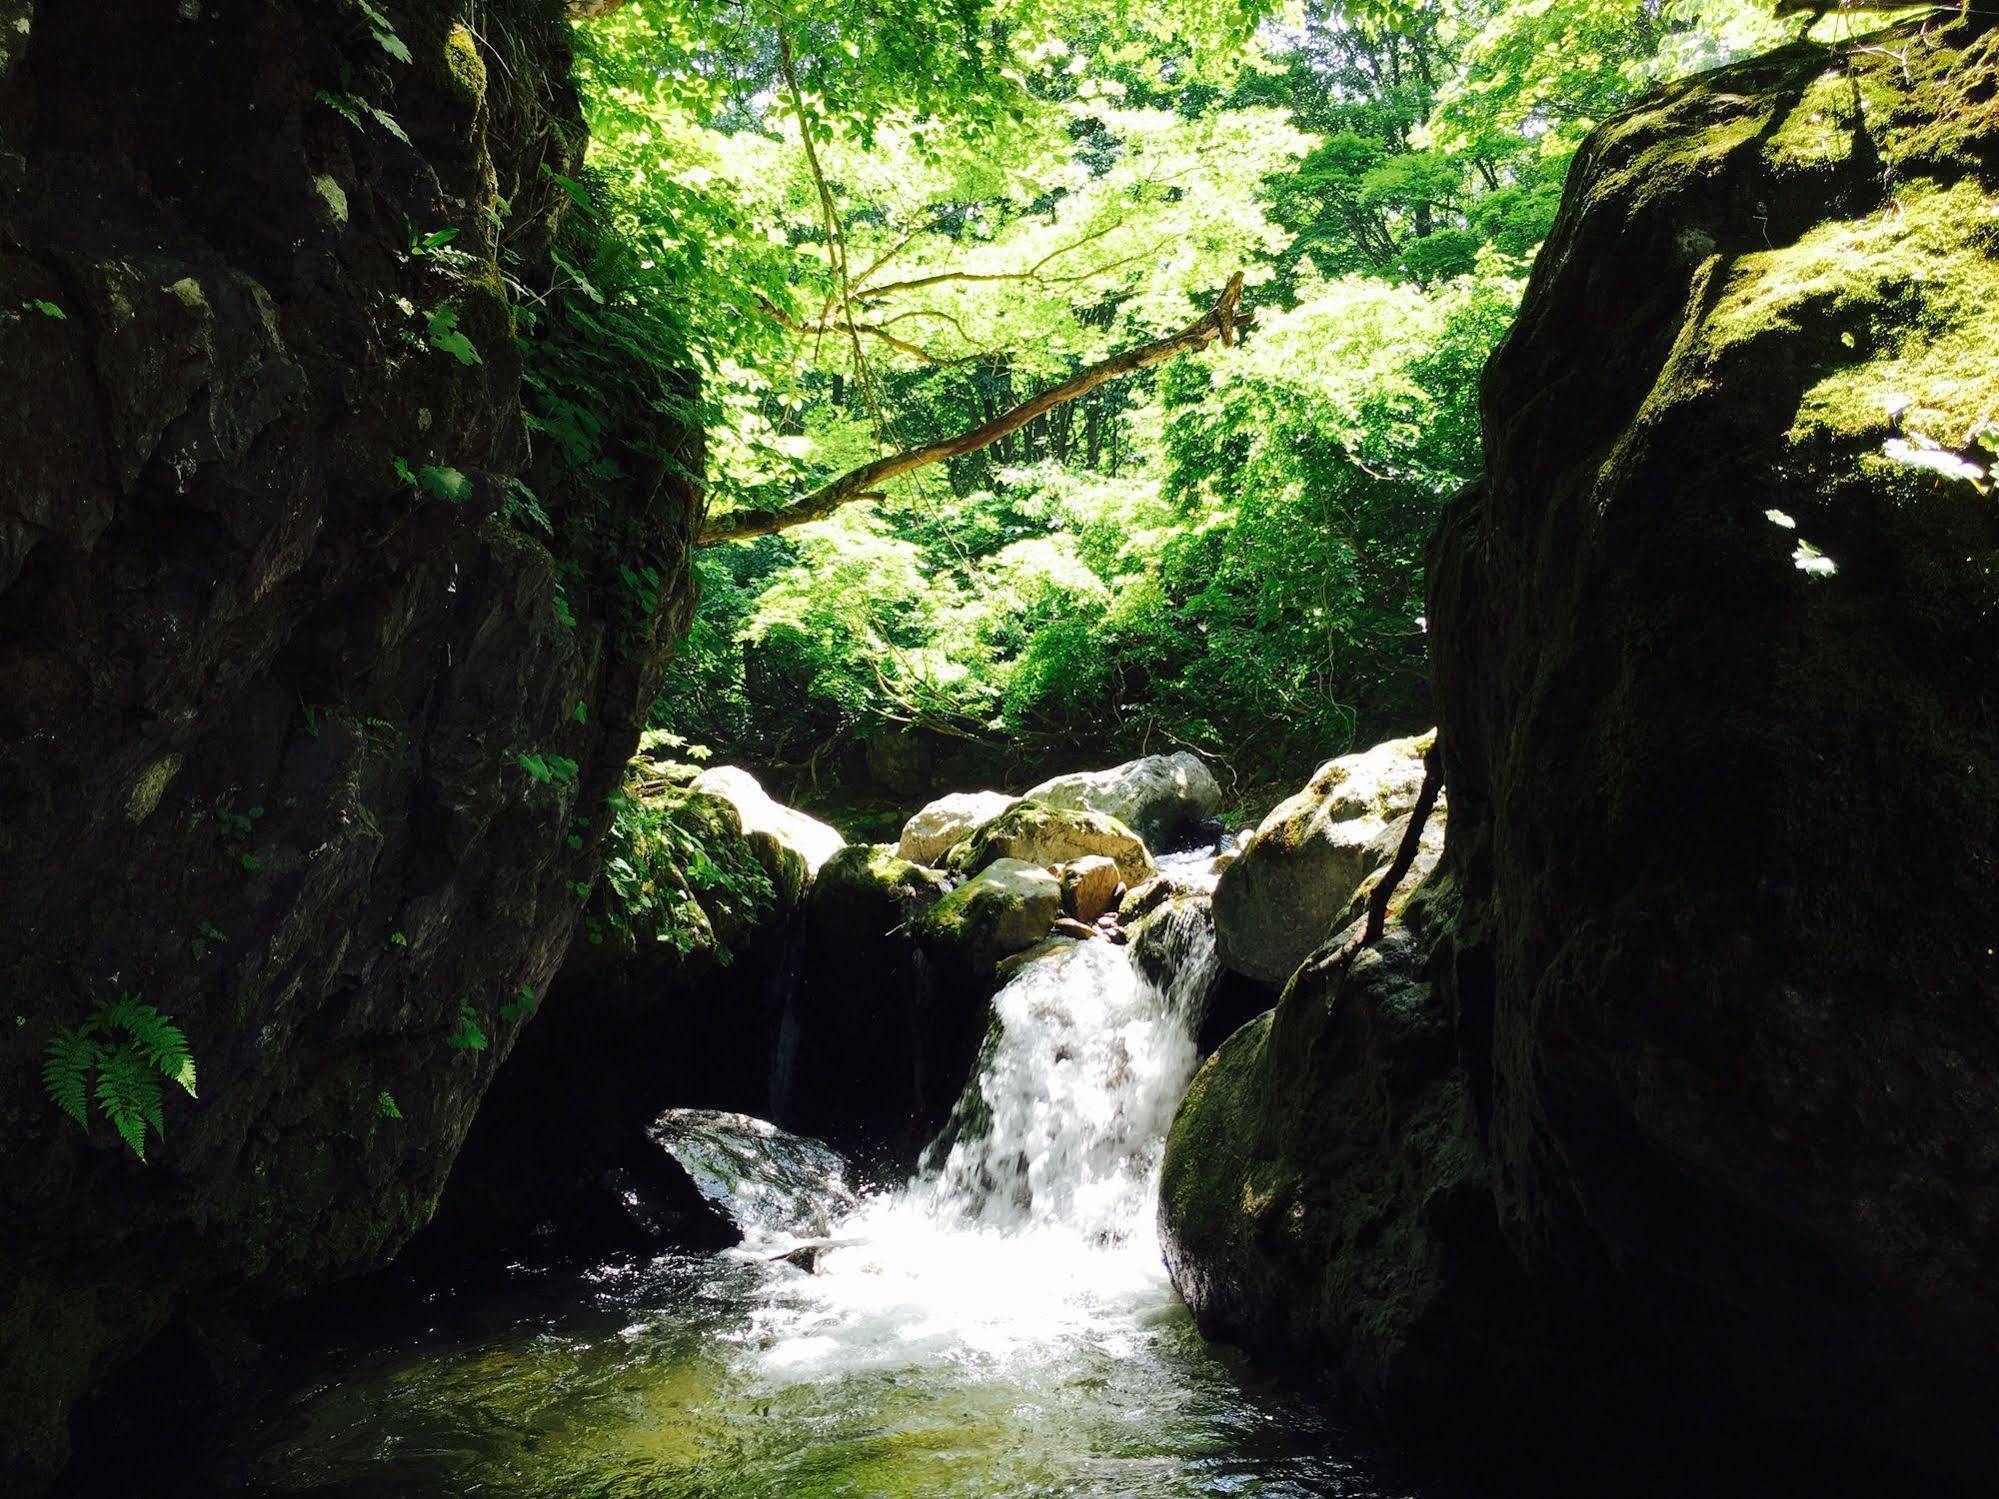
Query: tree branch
1219, 322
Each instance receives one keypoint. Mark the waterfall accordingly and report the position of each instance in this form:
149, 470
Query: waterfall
1030, 1240
1077, 1084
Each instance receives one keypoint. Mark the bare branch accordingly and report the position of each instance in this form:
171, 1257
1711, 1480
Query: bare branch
1219, 322
1032, 273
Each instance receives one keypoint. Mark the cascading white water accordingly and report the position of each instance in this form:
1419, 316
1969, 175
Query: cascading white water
1038, 1227
1090, 1060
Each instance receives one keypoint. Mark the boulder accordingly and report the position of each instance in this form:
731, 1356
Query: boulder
1158, 797
764, 1182
791, 840
1144, 896
676, 992
1679, 1109
1049, 836
929, 835
1280, 896
1323, 1193
1008, 905
1090, 886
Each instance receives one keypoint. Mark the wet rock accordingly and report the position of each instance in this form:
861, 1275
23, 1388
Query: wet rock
1090, 886
763, 1181
1323, 1192
869, 1037
1280, 897
929, 835
1049, 836
1068, 926
1144, 896
1160, 797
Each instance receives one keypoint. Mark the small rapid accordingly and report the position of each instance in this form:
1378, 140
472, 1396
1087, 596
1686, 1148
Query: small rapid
1001, 1325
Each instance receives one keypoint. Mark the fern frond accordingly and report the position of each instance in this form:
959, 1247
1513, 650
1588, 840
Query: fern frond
66, 1073
128, 1091
162, 1042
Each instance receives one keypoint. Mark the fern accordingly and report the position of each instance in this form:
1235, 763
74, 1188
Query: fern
131, 1047
66, 1074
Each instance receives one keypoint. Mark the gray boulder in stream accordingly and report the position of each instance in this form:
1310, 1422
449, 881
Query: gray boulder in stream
758, 1180
1158, 797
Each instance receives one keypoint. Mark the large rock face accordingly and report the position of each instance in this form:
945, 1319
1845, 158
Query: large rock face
1717, 646
267, 708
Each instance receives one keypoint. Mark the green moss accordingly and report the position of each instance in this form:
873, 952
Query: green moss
464, 70
1914, 289
1206, 1181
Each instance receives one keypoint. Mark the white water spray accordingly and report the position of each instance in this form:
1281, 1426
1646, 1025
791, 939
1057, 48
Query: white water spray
1037, 1229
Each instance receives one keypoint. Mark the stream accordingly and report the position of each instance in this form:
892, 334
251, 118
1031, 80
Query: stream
1001, 1325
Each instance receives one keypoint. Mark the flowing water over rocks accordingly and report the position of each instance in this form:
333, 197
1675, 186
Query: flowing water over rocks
1002, 1325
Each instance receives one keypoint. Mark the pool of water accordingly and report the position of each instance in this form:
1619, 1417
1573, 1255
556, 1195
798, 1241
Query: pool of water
1002, 1325
954, 1364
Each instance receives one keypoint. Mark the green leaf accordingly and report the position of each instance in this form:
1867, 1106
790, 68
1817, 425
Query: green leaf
392, 44
66, 1073
344, 105
581, 713
49, 310
469, 1036
445, 337
385, 120
444, 482
387, 1105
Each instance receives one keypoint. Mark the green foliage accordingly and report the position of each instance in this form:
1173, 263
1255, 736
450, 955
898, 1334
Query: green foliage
386, 1105
469, 1035
442, 328
677, 871
520, 1006
1226, 552
132, 1049
547, 769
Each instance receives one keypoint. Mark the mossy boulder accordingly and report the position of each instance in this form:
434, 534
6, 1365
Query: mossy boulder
1008, 905
1687, 1102
1324, 1193
310, 693
1159, 797
931, 832
1284, 893
1048, 836
795, 845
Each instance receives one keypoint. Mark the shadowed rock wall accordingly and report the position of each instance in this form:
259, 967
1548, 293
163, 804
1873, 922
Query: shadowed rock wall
260, 698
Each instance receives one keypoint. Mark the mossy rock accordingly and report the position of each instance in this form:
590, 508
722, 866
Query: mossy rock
1007, 906
1047, 836
1715, 643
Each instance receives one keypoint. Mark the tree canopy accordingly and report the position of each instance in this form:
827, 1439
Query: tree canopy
962, 280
